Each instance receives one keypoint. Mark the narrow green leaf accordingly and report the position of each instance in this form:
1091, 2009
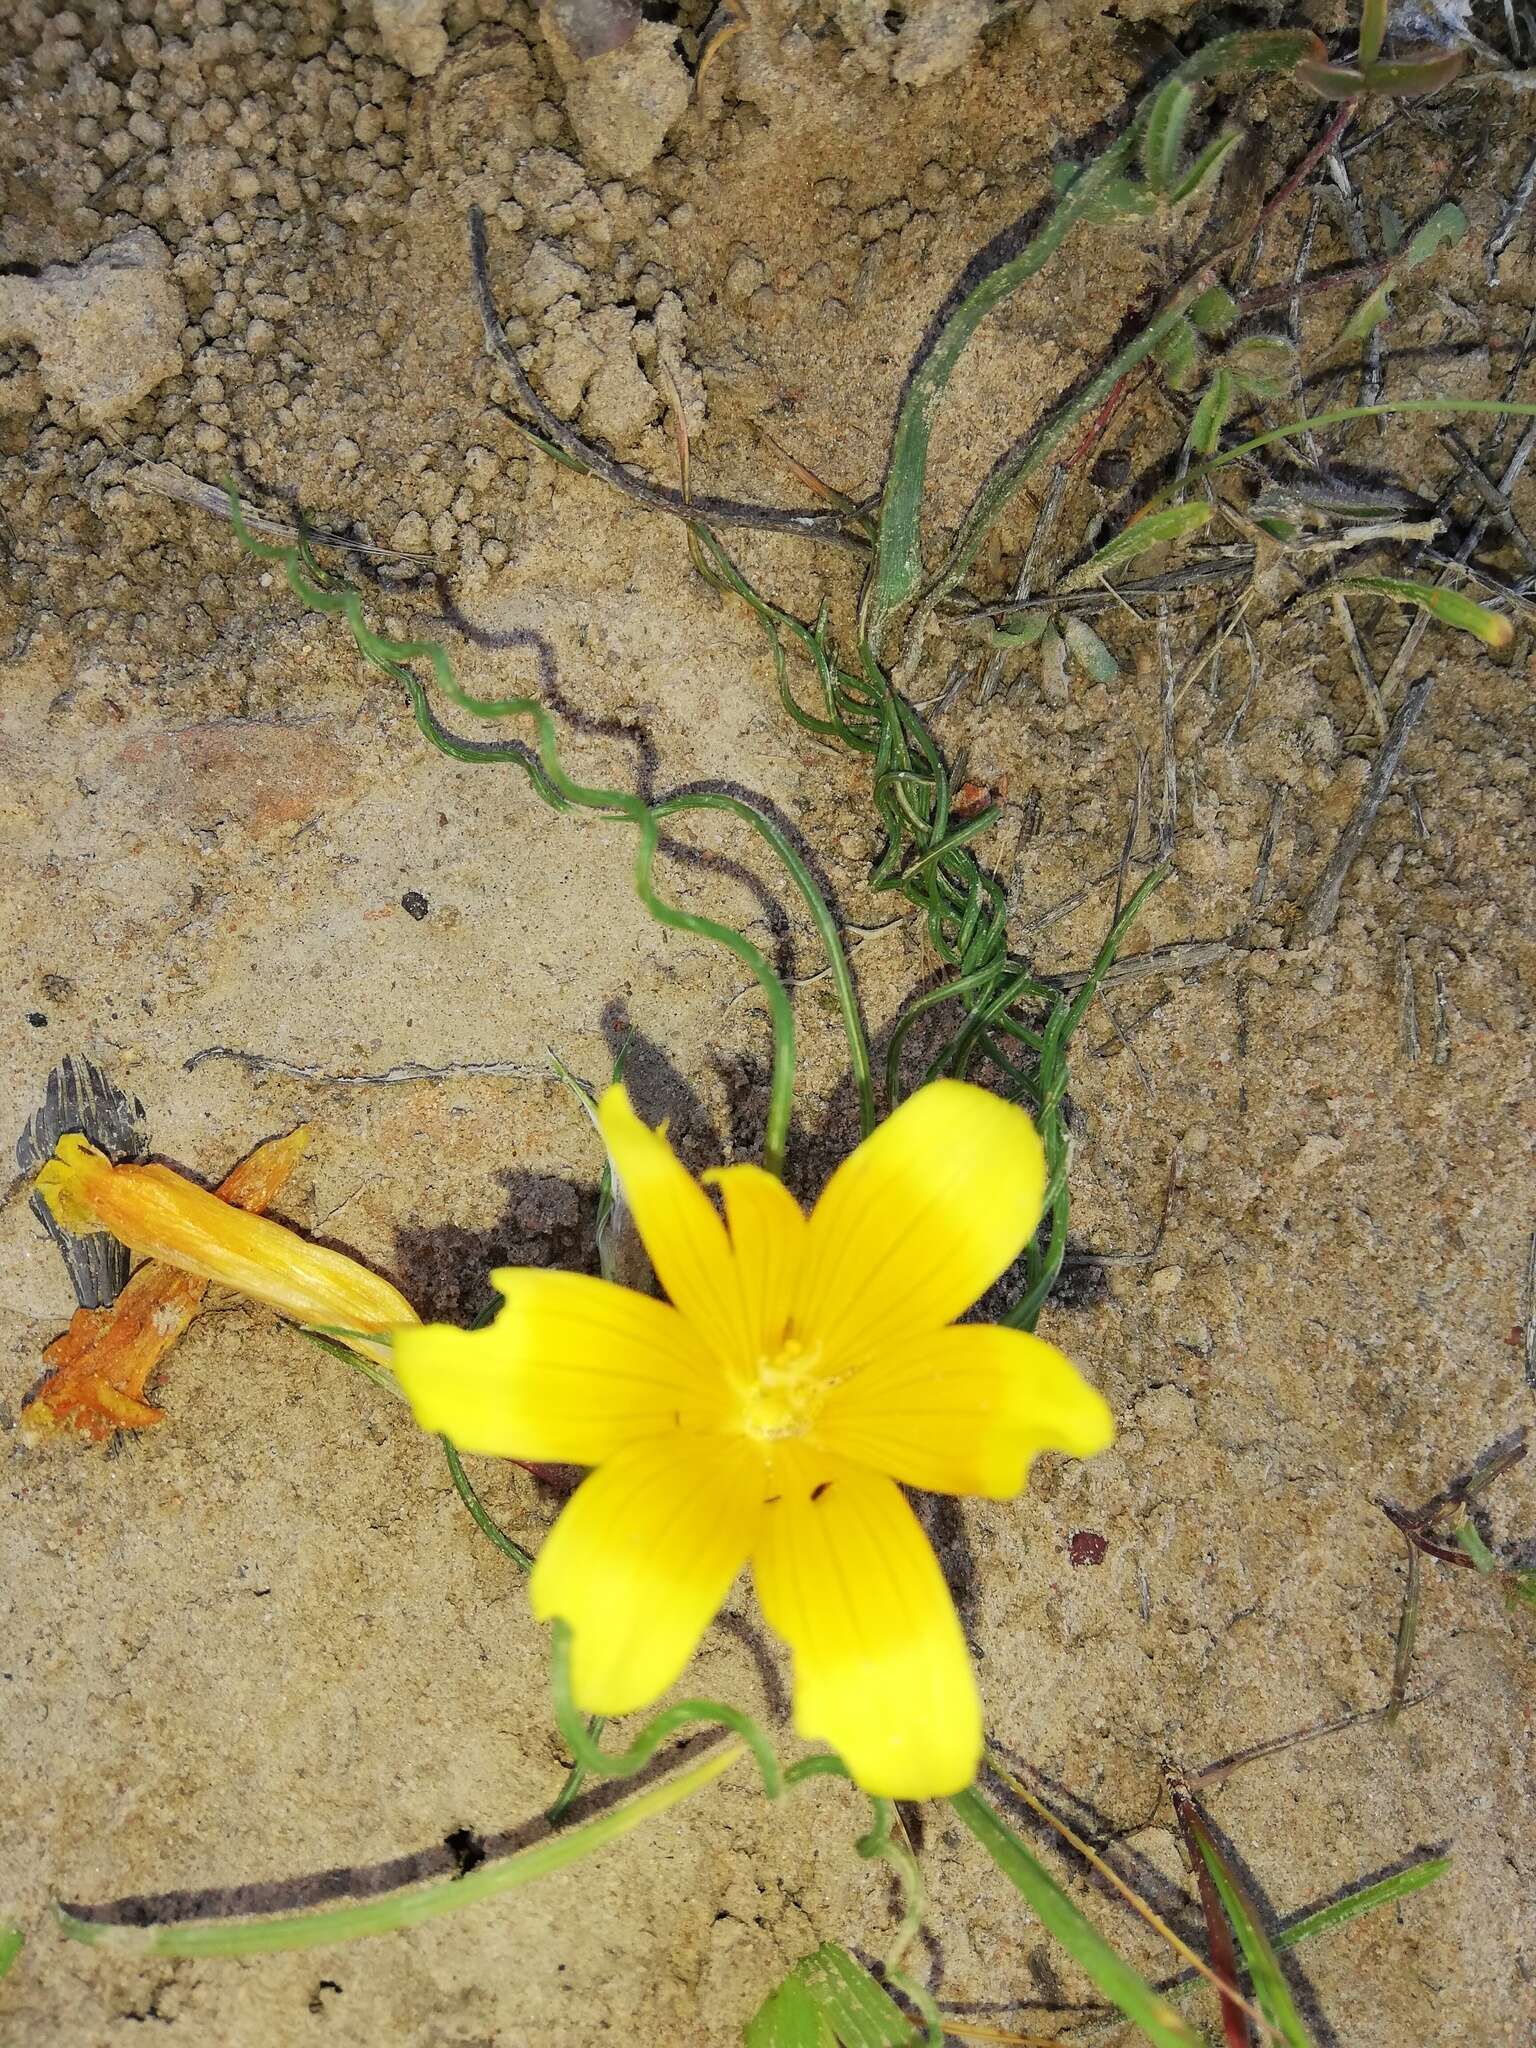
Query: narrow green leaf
1331, 81
1413, 77
1174, 522
12, 1942
1211, 414
1215, 311
1270, 1990
401, 1909
1206, 166
1373, 29
1164, 136
898, 553
1448, 606
1088, 650
789, 2018
1111, 1975
1384, 1893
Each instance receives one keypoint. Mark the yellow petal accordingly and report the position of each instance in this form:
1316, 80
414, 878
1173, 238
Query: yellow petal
846, 1576
917, 1223
964, 1410
641, 1559
571, 1369
678, 1225
164, 1216
767, 1229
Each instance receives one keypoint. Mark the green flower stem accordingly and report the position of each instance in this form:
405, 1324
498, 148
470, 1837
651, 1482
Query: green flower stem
404, 1909
482, 1521
671, 1721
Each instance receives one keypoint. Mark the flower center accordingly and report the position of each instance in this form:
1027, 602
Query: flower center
786, 1394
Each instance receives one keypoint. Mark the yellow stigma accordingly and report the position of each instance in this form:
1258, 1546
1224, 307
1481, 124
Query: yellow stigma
787, 1394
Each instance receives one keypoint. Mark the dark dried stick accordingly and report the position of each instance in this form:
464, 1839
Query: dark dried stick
1322, 904
1504, 233
825, 526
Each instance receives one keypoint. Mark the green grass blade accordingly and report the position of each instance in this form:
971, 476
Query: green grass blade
1111, 1974
1373, 30
1387, 1892
1271, 1992
403, 1909
12, 1942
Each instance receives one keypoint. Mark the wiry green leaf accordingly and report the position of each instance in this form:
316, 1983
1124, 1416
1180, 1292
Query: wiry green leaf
1448, 606
1385, 1892
1373, 29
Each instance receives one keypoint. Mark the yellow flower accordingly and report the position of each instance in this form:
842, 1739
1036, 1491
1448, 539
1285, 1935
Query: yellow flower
159, 1213
802, 1367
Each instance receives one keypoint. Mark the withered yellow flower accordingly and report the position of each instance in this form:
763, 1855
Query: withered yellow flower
802, 1367
163, 1215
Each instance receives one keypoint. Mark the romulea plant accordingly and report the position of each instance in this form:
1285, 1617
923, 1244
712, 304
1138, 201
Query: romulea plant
802, 1368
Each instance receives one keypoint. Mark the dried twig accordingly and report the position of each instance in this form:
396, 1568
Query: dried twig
1322, 904
165, 480
409, 1070
827, 526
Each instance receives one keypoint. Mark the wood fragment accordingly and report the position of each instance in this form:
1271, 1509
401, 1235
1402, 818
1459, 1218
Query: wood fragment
828, 526
1442, 1052
1407, 999
1321, 907
408, 1070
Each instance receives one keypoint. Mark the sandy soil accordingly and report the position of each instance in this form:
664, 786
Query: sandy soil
263, 1638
